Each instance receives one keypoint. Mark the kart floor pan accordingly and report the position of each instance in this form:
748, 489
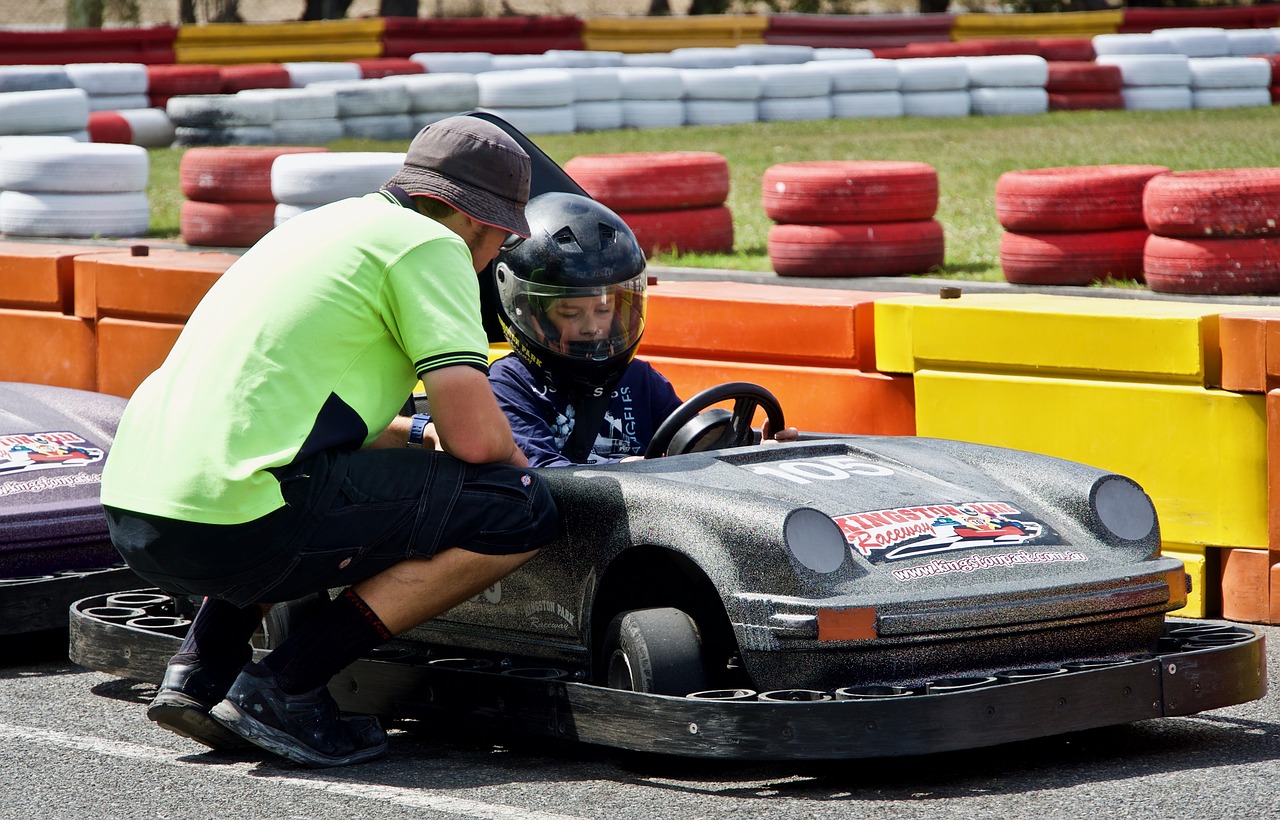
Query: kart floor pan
1200, 666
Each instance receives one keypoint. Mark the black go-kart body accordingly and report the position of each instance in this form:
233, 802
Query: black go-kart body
836, 597
54, 547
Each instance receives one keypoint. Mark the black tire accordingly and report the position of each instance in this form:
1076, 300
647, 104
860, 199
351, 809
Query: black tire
658, 651
283, 618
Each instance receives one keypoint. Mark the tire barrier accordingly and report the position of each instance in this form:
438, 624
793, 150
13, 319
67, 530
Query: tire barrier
76, 190
1083, 85
1008, 84
1213, 231
306, 180
165, 81
1073, 225
228, 189
877, 217
672, 200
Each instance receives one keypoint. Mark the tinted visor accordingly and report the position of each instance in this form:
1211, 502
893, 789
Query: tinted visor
588, 324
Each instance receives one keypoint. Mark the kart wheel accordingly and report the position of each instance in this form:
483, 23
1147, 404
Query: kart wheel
285, 617
654, 650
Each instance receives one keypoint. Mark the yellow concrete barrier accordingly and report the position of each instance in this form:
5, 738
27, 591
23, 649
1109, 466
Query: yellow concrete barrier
1204, 578
971, 25
639, 35
312, 40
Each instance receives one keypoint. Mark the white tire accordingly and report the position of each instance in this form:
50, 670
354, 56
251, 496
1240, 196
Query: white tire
47, 111
446, 62
1231, 98
571, 58
151, 127
1229, 72
719, 84
438, 92
286, 212
790, 81
366, 98
75, 167
652, 113
302, 75
852, 76
12, 140
597, 115
558, 119
702, 57
319, 178
1007, 70
936, 104
1195, 41
81, 216
659, 59
308, 132
650, 83
395, 127
775, 109
1150, 69
1010, 100
219, 111
1156, 97
720, 112
843, 54
109, 79
771, 54
1130, 43
33, 78
312, 103
933, 74
234, 135
867, 104
1247, 42
595, 84
525, 62
528, 88
118, 102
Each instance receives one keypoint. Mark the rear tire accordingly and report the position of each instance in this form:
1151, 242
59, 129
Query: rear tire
658, 651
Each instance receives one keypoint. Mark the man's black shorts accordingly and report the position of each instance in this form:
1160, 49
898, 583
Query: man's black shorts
347, 516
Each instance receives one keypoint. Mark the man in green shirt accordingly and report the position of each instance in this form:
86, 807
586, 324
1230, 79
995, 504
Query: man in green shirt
265, 460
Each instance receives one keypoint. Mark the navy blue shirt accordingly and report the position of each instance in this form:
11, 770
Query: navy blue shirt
542, 419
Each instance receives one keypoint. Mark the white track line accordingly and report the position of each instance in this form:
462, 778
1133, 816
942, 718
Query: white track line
369, 791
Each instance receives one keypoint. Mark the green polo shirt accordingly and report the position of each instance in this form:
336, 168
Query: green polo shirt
313, 339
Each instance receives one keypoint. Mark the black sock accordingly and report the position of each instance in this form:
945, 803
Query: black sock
323, 646
219, 635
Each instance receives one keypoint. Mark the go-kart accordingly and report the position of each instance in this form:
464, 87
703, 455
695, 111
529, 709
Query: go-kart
54, 547
836, 597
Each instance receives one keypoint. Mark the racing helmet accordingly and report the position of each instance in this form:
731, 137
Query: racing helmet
571, 297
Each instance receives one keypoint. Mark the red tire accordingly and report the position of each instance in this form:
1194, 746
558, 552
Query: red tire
1072, 258
1086, 101
1071, 77
233, 173
226, 224
1074, 198
868, 249
1220, 202
173, 80
1231, 266
372, 68
1066, 49
254, 75
653, 180
109, 126
683, 230
844, 192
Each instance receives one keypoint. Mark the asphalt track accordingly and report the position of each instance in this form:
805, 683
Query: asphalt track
76, 744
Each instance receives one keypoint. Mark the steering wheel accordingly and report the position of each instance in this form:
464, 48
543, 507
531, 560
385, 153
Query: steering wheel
688, 429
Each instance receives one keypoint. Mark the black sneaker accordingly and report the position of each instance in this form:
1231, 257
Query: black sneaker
306, 728
182, 705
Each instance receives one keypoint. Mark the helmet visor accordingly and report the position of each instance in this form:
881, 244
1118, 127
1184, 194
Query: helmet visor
588, 324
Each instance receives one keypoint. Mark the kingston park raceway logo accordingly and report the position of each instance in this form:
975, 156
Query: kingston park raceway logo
906, 532
25, 452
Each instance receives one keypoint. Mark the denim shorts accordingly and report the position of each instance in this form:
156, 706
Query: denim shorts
348, 515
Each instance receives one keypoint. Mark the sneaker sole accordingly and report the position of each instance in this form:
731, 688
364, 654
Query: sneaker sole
186, 716
273, 740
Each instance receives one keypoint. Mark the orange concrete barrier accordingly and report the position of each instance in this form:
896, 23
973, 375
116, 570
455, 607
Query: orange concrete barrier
737, 321
38, 275
128, 350
1250, 342
164, 286
43, 347
820, 399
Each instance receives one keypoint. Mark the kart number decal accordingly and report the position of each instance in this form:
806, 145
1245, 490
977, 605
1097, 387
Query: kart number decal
906, 532
828, 468
24, 453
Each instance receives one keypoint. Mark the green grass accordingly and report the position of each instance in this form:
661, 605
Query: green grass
969, 154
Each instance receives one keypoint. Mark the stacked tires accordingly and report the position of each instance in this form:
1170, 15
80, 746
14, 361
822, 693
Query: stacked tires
1084, 86
50, 188
228, 189
674, 201
1073, 225
1214, 231
853, 218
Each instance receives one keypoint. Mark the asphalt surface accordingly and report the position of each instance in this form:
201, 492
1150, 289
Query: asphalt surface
77, 744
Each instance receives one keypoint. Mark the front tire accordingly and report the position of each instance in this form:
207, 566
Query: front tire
658, 651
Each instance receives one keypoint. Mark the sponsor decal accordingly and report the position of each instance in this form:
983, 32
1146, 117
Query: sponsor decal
905, 532
549, 616
28, 452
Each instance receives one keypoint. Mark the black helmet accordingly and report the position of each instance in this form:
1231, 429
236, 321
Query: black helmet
571, 297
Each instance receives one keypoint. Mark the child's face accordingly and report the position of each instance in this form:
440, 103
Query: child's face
582, 318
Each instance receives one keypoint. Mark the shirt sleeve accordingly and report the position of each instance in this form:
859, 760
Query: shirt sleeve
527, 411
